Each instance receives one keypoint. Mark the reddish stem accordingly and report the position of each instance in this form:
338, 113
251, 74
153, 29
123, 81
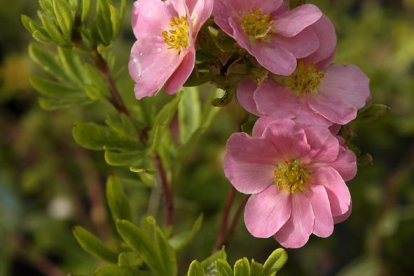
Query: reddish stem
166, 190
222, 234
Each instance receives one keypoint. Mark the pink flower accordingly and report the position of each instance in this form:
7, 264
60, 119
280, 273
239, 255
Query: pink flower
315, 94
164, 52
296, 176
275, 36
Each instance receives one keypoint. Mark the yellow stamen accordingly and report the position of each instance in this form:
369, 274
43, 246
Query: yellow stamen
291, 177
305, 79
257, 25
179, 36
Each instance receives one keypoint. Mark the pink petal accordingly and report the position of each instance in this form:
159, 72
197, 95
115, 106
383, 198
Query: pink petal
261, 124
324, 146
338, 192
243, 148
179, 6
289, 140
282, 10
151, 64
325, 31
178, 78
245, 92
343, 217
295, 21
200, 11
267, 212
276, 100
222, 11
248, 178
332, 108
274, 58
323, 226
307, 116
322, 65
346, 82
345, 164
151, 18
296, 231
301, 45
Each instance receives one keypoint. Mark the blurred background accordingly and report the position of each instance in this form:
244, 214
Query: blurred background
48, 184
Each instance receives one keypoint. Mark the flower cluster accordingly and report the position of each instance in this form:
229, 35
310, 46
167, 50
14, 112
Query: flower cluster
294, 166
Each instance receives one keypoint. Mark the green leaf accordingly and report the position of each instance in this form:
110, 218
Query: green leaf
226, 99
64, 17
372, 113
55, 89
182, 239
91, 244
86, 4
295, 3
223, 268
155, 138
275, 262
196, 269
122, 9
189, 113
73, 65
364, 159
96, 137
114, 270
122, 125
52, 104
209, 263
256, 269
167, 253
123, 158
116, 20
52, 29
93, 92
29, 23
103, 21
143, 165
140, 243
117, 199
47, 7
41, 37
48, 61
96, 79
129, 259
242, 268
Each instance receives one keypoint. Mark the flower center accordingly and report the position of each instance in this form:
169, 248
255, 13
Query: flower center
178, 37
257, 25
291, 176
305, 79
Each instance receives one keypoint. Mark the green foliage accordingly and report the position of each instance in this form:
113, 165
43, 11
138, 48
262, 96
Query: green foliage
117, 199
91, 244
181, 240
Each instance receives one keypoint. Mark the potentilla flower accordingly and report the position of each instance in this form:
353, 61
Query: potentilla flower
275, 36
296, 175
317, 93
164, 52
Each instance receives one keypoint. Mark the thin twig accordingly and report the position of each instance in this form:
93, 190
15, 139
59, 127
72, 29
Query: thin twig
166, 190
237, 216
221, 237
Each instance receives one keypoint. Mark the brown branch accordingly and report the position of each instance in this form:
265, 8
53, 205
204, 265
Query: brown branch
222, 234
237, 216
168, 200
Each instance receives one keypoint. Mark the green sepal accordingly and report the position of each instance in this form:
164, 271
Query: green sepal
91, 244
275, 262
117, 199
223, 268
372, 113
242, 267
181, 240
295, 3
196, 269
